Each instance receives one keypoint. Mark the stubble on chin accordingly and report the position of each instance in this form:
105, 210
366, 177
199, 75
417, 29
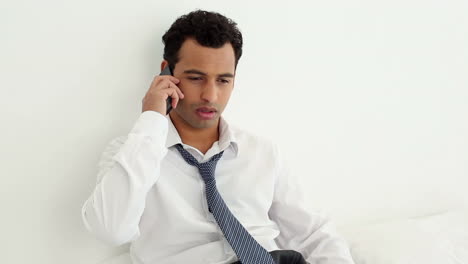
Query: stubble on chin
192, 120
190, 117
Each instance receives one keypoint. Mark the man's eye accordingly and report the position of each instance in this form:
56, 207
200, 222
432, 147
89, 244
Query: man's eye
194, 78
224, 81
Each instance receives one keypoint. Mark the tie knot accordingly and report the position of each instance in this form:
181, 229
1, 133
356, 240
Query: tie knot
207, 168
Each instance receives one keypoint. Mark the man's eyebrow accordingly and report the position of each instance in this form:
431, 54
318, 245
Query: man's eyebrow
204, 74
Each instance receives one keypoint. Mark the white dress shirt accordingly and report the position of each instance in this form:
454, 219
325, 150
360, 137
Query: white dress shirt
148, 195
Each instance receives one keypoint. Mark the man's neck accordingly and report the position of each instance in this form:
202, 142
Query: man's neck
199, 138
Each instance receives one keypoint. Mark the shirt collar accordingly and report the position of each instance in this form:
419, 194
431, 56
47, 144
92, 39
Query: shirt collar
226, 140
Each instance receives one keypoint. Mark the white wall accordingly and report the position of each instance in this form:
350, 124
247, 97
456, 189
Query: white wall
367, 98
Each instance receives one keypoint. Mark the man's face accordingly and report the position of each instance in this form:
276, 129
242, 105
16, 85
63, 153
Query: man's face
206, 79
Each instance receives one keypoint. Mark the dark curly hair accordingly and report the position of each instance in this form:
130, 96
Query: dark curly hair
210, 29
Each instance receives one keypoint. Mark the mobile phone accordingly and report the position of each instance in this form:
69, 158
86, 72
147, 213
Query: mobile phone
167, 71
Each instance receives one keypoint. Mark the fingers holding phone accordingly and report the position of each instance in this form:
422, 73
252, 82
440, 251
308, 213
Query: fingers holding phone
162, 87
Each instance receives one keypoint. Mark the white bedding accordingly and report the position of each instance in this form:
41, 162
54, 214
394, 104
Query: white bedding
435, 239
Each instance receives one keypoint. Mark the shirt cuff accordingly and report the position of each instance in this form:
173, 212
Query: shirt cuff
151, 124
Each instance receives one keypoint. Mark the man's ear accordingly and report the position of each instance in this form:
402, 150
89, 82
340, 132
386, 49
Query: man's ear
164, 63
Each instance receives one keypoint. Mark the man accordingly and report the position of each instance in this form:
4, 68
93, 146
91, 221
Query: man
189, 188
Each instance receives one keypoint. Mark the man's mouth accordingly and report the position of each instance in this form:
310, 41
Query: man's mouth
206, 112
206, 109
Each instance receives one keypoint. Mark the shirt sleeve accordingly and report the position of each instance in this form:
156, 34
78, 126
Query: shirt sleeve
312, 233
127, 170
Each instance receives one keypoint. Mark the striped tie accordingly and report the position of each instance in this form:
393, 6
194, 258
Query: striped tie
246, 247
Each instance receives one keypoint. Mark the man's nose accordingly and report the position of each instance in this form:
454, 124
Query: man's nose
210, 92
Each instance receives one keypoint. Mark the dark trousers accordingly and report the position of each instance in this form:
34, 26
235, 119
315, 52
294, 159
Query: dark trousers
285, 257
